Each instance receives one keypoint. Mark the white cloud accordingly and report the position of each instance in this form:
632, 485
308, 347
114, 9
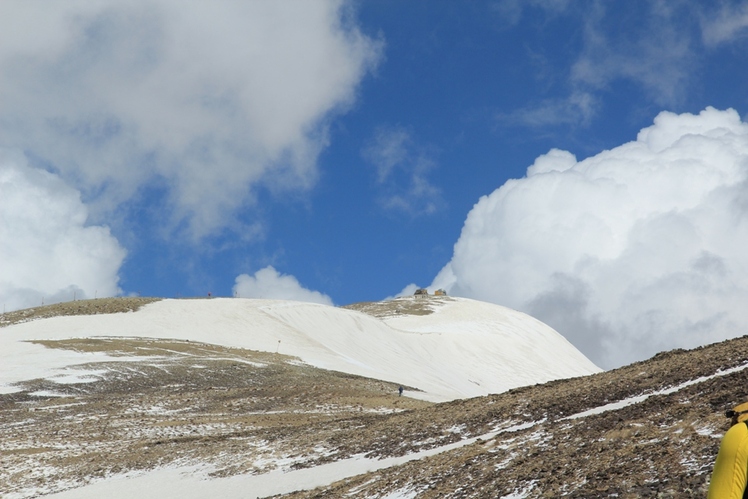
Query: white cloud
650, 47
653, 49
402, 172
268, 283
48, 252
208, 98
725, 24
635, 250
579, 108
406, 291
510, 12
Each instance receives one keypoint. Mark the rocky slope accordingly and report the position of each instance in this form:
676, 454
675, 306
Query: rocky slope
660, 443
80, 307
650, 429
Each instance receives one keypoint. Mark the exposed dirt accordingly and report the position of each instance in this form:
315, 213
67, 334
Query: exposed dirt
399, 306
80, 307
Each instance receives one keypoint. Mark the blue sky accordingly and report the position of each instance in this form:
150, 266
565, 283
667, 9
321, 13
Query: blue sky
349, 151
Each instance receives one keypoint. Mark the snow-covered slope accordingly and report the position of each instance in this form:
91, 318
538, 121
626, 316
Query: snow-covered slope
463, 349
497, 347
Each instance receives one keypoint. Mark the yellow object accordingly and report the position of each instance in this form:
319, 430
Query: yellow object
742, 411
731, 469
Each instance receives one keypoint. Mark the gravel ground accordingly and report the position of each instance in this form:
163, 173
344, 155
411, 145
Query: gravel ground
80, 307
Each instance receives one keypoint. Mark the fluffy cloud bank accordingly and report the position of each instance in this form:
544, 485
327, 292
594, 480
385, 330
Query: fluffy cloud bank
639, 249
203, 100
270, 284
48, 252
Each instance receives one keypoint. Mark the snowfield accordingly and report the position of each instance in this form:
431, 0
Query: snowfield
465, 348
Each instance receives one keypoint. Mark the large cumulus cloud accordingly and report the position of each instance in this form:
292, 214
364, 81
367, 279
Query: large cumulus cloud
638, 249
49, 252
206, 100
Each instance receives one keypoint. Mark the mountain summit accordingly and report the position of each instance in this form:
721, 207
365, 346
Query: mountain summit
254, 398
439, 348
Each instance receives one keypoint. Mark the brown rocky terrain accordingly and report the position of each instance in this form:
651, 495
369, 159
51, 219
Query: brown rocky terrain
662, 446
80, 307
656, 435
397, 307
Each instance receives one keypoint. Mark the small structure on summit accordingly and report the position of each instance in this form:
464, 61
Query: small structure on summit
421, 293
440, 292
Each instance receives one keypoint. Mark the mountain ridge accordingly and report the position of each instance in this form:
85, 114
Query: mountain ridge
463, 348
649, 429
